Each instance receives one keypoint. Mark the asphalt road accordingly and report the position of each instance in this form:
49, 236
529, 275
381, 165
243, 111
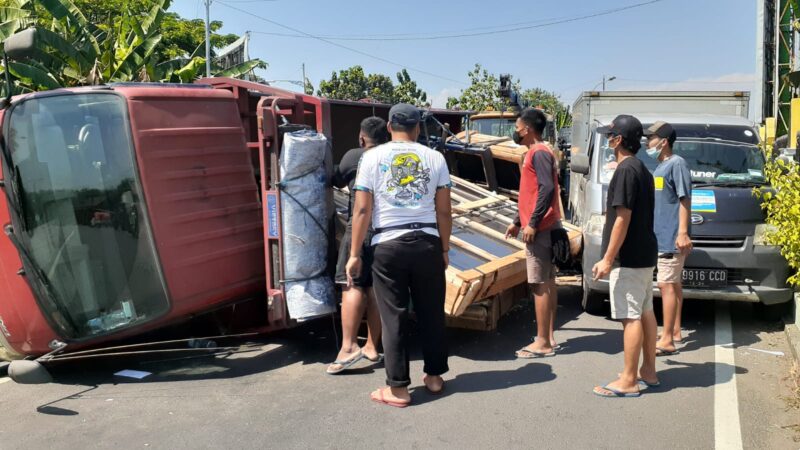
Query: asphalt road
280, 397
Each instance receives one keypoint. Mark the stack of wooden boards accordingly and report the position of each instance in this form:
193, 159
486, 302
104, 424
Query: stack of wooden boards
487, 273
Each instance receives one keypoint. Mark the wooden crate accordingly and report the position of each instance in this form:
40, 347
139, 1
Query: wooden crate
485, 315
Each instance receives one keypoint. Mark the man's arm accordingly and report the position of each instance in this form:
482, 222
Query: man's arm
683, 184
618, 233
684, 242
362, 215
345, 171
444, 217
543, 163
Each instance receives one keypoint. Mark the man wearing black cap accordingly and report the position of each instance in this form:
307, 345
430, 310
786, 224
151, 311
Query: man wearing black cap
404, 188
630, 252
673, 182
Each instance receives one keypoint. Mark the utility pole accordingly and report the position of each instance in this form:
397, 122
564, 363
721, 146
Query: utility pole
208, 38
304, 78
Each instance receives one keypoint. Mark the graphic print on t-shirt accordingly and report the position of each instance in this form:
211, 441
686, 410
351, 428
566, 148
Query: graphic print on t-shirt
408, 179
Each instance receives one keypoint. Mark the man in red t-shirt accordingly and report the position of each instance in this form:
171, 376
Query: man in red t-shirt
539, 214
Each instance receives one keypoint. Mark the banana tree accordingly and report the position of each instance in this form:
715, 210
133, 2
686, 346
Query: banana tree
71, 51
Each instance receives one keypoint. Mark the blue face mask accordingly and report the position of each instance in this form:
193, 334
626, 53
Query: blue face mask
655, 152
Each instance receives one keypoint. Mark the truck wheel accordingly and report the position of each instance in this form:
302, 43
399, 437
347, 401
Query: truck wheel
772, 313
592, 302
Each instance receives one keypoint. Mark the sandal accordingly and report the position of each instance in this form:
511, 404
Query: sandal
345, 364
381, 399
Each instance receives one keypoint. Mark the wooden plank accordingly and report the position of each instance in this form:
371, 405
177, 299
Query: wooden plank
483, 229
482, 202
472, 248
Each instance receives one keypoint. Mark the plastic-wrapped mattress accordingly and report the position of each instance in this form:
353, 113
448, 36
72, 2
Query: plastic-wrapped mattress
306, 208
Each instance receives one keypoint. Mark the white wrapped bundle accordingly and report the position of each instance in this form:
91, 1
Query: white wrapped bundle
305, 212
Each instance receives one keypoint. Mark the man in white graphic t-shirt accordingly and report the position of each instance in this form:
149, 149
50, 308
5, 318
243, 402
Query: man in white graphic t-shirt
404, 189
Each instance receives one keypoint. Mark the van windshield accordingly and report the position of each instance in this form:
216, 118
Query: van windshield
711, 160
82, 229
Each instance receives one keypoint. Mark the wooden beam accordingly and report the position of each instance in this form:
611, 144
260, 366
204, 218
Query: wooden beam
482, 202
472, 248
483, 229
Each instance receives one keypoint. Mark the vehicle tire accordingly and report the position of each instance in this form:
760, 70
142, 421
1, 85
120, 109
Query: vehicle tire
4, 368
772, 313
593, 302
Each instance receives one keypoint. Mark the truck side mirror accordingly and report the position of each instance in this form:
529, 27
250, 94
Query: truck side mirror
20, 45
17, 46
579, 163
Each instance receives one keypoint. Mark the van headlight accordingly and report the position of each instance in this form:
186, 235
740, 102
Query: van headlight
762, 234
594, 226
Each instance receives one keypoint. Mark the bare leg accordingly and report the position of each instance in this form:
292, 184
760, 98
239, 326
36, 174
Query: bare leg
542, 293
373, 327
554, 310
676, 331
633, 338
650, 331
669, 301
353, 304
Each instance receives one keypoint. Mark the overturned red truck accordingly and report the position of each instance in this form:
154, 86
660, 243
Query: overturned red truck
131, 207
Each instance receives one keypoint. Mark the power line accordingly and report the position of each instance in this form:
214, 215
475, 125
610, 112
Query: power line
327, 41
472, 34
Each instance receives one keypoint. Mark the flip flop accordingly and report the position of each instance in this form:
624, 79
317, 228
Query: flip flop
650, 385
345, 364
439, 392
524, 353
377, 360
664, 352
615, 393
383, 400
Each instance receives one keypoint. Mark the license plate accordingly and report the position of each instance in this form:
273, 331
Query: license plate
705, 278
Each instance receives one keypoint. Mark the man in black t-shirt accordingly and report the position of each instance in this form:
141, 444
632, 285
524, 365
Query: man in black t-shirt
360, 296
630, 252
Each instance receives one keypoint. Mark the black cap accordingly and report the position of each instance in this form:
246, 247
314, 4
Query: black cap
663, 130
404, 114
626, 126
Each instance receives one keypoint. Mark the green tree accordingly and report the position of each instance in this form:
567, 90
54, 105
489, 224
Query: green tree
349, 84
551, 103
482, 94
308, 88
407, 91
179, 37
72, 51
380, 88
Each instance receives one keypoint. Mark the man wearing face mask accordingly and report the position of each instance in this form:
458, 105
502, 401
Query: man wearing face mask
630, 253
539, 214
673, 212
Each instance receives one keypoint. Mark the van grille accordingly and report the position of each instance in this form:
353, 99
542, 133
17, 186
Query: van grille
718, 241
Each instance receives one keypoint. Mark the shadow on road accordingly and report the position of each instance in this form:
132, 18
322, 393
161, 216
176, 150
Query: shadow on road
491, 380
684, 375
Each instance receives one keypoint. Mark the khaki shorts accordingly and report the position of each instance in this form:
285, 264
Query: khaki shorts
539, 259
670, 270
631, 292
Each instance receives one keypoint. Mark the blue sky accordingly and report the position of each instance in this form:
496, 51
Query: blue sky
669, 44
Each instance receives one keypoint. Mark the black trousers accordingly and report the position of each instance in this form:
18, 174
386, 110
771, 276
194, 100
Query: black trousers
411, 266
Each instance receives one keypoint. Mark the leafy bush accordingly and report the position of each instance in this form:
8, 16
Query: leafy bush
782, 205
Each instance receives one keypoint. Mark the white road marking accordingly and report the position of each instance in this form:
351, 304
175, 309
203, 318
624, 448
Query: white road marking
727, 428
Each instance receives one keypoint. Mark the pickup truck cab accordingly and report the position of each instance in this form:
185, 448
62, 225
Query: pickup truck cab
731, 259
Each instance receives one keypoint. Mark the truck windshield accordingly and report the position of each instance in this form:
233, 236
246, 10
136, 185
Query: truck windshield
82, 221
504, 127
711, 160
494, 127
